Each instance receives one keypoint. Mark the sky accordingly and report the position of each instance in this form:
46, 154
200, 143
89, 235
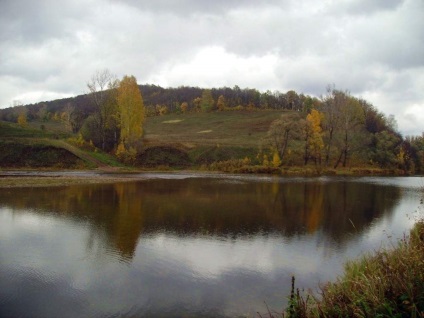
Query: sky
374, 49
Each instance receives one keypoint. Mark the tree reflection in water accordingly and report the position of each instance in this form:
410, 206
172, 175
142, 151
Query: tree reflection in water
119, 214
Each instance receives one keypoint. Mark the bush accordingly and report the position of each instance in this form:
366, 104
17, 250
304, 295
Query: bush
125, 155
164, 156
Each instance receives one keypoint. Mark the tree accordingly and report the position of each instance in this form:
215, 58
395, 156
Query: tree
351, 117
43, 114
416, 151
65, 116
102, 92
315, 141
330, 106
282, 131
72, 117
343, 115
197, 102
276, 161
131, 112
207, 103
386, 144
184, 107
22, 118
292, 100
221, 104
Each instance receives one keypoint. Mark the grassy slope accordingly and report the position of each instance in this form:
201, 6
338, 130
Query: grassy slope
235, 128
182, 140
177, 139
37, 141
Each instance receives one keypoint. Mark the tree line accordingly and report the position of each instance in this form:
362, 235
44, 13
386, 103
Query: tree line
341, 130
158, 101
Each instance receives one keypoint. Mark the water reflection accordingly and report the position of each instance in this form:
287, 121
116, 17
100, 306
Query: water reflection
173, 247
120, 213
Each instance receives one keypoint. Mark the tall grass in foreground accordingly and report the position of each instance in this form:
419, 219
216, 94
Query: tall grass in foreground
388, 283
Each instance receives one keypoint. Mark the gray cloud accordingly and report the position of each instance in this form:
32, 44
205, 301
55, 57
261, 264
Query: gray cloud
374, 49
364, 7
189, 7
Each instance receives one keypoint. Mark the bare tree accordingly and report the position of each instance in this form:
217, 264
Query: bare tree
102, 91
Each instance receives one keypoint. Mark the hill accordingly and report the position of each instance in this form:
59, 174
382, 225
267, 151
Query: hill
156, 97
26, 147
238, 128
203, 138
170, 140
225, 129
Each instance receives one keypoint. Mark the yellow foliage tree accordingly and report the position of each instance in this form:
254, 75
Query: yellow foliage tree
131, 113
22, 119
161, 110
276, 161
184, 107
316, 143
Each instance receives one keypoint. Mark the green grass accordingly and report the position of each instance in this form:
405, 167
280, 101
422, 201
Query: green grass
32, 147
14, 130
106, 159
51, 126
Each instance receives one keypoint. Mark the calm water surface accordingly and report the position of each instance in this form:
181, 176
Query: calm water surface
175, 245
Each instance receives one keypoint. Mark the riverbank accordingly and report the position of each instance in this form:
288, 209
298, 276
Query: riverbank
18, 178
387, 283
53, 178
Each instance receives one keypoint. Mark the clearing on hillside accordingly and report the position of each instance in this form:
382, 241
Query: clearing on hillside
231, 128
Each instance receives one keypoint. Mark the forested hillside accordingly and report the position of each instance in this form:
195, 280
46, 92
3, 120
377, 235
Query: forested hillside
334, 131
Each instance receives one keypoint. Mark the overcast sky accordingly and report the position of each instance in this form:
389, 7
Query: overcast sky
374, 48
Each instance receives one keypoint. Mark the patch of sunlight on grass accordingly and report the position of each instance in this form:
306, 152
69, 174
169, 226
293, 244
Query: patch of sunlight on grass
174, 121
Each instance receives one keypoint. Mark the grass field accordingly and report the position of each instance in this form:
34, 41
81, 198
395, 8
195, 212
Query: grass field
233, 128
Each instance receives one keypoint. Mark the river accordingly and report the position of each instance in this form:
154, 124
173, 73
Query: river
190, 244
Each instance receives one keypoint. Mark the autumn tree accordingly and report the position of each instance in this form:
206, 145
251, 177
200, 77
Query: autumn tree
197, 104
184, 107
276, 161
131, 114
344, 118
315, 141
351, 117
207, 102
43, 114
102, 92
305, 135
330, 106
221, 103
72, 117
161, 110
292, 100
282, 131
22, 118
